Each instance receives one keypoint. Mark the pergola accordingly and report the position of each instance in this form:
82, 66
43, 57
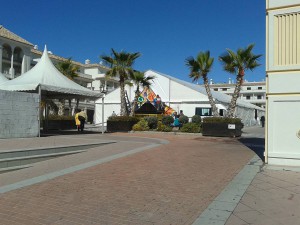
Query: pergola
46, 80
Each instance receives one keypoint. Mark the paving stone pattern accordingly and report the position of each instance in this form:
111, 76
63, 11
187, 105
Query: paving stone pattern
272, 199
169, 184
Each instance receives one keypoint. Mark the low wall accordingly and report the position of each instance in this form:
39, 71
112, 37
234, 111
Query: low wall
18, 114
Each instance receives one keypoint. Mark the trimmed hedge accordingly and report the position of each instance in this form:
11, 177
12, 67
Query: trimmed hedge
183, 119
221, 120
191, 128
121, 123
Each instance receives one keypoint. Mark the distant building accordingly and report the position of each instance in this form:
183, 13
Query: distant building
252, 92
18, 55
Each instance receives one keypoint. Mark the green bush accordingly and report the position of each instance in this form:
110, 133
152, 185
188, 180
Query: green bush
162, 127
123, 118
196, 119
152, 122
183, 119
142, 125
191, 128
221, 120
167, 120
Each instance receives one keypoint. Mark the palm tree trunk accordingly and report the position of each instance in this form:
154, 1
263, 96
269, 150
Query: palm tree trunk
210, 98
236, 93
137, 93
77, 105
70, 107
123, 111
61, 108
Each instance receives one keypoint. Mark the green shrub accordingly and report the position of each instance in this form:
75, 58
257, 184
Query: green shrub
221, 120
162, 127
152, 122
167, 120
183, 119
196, 119
142, 125
123, 118
191, 128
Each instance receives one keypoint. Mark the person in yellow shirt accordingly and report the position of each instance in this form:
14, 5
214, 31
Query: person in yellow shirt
80, 119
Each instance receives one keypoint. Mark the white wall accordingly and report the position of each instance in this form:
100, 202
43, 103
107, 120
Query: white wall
18, 114
283, 126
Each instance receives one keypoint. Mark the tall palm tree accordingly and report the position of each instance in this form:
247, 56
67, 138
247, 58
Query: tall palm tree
200, 67
139, 79
120, 64
68, 69
237, 63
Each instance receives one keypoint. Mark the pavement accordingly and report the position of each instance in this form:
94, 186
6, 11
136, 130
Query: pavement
150, 178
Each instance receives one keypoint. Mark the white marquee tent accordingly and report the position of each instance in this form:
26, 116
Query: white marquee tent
179, 95
2, 78
52, 83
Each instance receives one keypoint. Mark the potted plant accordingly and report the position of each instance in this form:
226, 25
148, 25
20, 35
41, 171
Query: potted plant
222, 127
121, 123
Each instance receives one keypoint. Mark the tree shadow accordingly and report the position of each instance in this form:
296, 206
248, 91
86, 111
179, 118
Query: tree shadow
255, 144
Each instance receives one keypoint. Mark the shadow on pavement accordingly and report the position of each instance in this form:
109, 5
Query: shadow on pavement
255, 144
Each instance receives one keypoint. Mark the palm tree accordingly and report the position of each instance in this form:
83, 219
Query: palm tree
121, 66
68, 69
138, 79
200, 67
237, 63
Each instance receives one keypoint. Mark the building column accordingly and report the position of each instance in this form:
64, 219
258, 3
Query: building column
0, 59
12, 70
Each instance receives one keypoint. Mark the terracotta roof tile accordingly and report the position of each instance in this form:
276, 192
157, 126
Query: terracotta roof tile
10, 35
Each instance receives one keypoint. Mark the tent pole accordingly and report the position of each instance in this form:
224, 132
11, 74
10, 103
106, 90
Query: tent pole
39, 116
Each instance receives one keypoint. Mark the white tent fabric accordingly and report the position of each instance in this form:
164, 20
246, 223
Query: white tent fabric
2, 78
53, 84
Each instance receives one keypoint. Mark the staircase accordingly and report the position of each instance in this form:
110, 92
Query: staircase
20, 159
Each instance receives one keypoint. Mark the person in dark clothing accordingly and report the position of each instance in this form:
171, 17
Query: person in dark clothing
262, 120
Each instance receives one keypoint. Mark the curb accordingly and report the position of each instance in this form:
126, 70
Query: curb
218, 212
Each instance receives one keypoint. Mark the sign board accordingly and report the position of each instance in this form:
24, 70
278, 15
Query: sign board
231, 126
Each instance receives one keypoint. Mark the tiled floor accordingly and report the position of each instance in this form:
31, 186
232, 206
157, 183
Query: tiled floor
170, 184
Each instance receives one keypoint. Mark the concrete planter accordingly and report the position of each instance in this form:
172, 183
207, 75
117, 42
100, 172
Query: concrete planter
222, 129
59, 124
123, 126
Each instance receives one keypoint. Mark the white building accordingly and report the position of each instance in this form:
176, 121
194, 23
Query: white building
181, 95
252, 92
283, 82
18, 55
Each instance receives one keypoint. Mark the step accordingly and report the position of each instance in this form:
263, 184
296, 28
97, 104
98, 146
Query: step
48, 150
25, 160
13, 168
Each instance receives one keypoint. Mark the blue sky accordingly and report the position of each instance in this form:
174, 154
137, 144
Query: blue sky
165, 32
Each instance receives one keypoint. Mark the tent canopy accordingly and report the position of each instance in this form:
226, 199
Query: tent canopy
2, 78
52, 82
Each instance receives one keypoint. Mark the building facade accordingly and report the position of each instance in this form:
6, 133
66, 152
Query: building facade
18, 56
252, 92
283, 82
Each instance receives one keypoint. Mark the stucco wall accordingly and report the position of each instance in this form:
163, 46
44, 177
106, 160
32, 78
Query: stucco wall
18, 114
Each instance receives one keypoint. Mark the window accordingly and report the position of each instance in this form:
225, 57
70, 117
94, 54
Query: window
203, 111
259, 88
248, 97
215, 89
259, 97
221, 112
248, 88
224, 89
